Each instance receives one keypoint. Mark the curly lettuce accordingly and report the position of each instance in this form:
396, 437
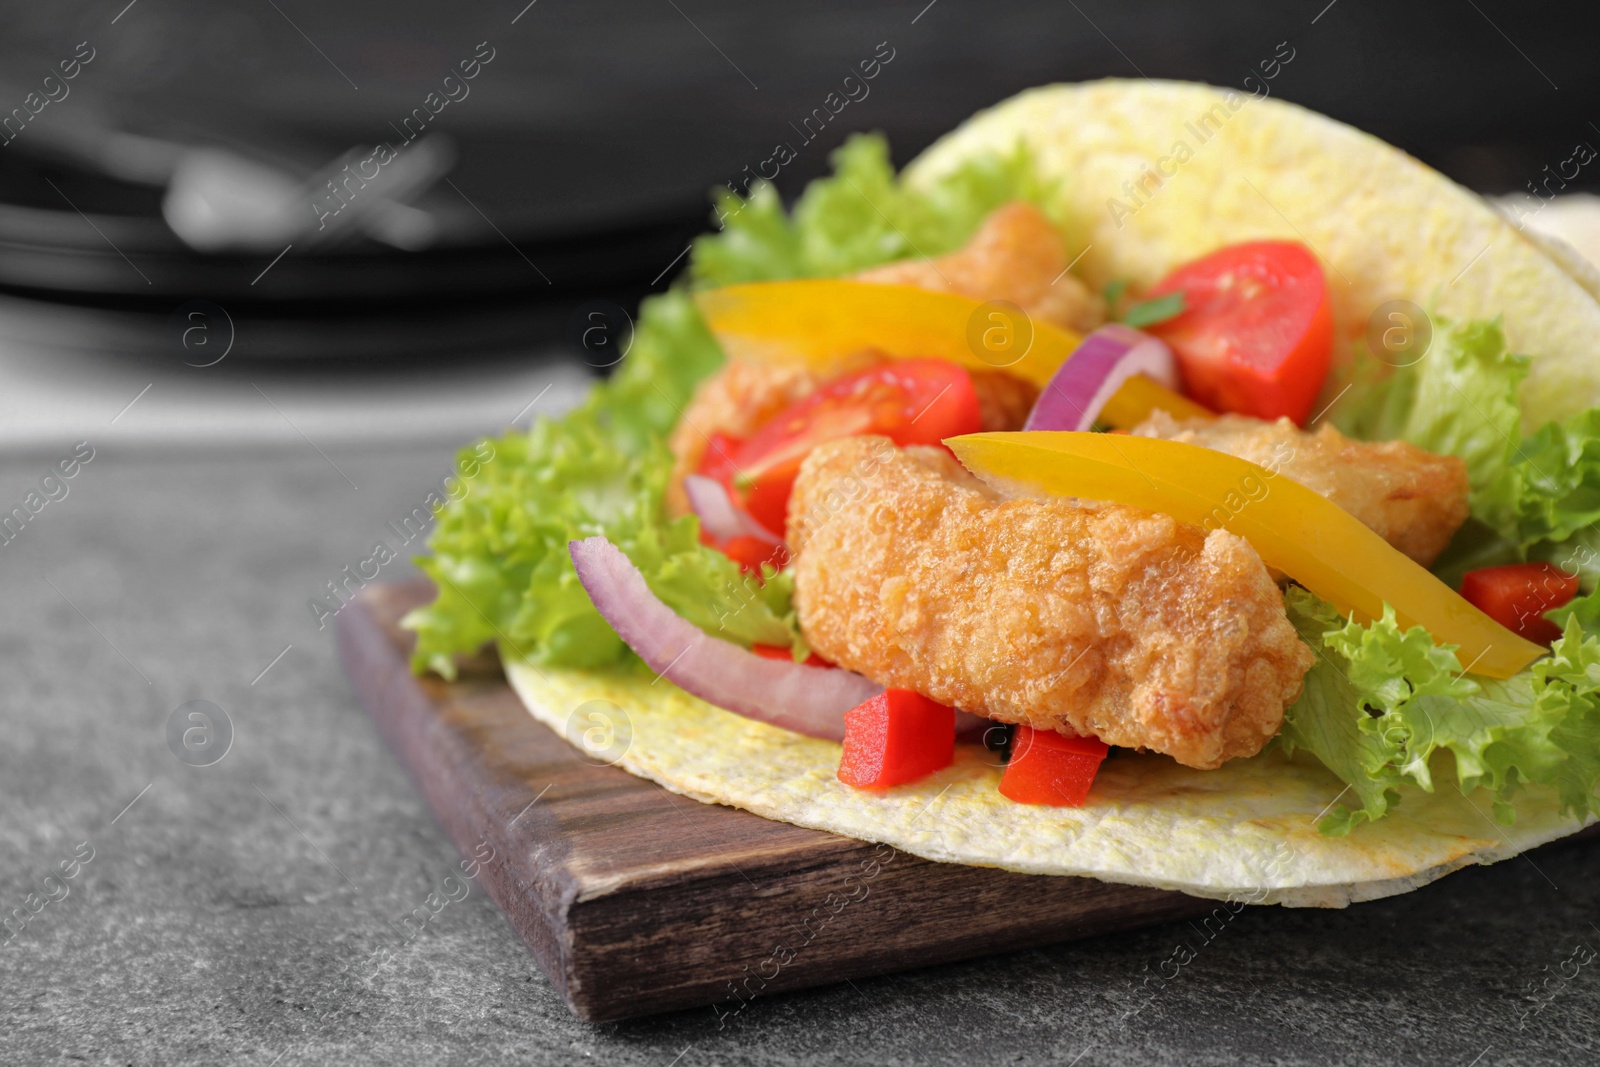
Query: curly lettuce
1381, 702
1460, 399
503, 571
861, 217
499, 554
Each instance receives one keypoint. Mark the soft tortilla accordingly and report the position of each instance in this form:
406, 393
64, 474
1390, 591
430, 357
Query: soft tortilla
1389, 228
1247, 831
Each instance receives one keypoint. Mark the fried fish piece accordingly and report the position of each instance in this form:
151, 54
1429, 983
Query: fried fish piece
1016, 256
1102, 619
1412, 498
741, 397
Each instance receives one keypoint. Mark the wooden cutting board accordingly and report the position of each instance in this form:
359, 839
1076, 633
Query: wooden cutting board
635, 900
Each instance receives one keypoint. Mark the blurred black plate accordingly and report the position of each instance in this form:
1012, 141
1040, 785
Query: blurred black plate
112, 248
587, 146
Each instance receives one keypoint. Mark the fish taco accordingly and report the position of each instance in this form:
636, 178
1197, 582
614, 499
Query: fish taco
1152, 483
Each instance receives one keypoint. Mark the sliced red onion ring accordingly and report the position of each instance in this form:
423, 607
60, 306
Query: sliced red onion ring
1097, 368
807, 700
719, 515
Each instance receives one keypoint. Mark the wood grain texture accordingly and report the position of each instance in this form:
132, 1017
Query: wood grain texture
635, 900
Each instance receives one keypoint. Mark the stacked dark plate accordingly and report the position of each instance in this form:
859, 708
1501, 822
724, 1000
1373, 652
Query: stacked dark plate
582, 139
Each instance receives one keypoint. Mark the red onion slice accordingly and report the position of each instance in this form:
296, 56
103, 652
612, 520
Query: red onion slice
807, 700
1097, 368
719, 515
970, 727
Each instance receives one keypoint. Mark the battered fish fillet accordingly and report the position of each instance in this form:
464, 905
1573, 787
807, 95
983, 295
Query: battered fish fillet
1102, 619
1414, 499
1016, 256
741, 397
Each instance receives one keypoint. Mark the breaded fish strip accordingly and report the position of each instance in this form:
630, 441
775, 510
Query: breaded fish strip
1016, 256
1414, 499
1102, 619
741, 397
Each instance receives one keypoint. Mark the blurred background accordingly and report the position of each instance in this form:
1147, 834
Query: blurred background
192, 196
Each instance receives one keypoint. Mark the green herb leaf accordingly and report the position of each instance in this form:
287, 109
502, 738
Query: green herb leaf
1150, 312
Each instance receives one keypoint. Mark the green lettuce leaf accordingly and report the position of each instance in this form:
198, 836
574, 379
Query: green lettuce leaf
1585, 609
861, 217
1552, 487
501, 562
1460, 399
1327, 722
499, 554
1381, 702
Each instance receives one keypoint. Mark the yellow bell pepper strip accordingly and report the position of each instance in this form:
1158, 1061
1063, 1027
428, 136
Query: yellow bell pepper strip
816, 322
819, 322
1141, 395
1294, 529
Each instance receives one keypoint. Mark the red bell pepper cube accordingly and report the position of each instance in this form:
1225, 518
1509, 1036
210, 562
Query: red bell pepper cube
1517, 595
898, 736
1047, 767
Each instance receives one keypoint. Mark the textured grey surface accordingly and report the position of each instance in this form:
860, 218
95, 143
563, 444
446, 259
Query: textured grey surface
222, 913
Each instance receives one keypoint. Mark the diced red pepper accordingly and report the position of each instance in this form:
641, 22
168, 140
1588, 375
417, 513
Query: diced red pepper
898, 736
778, 652
1047, 767
1517, 595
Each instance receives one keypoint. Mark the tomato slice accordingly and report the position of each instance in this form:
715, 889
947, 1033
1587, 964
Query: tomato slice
912, 402
1517, 595
717, 460
898, 736
1047, 767
749, 552
1256, 333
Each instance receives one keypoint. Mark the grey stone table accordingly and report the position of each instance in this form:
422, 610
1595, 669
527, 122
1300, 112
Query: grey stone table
224, 906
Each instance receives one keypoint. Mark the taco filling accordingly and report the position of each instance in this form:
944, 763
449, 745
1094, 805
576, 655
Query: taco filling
942, 490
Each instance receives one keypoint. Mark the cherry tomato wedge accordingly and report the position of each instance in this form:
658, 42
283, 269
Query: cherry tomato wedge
898, 736
777, 652
717, 460
1256, 332
1047, 767
1517, 595
748, 552
912, 402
